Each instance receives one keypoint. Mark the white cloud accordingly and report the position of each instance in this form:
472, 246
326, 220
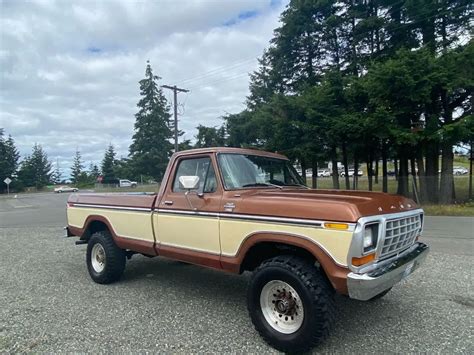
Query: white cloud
70, 70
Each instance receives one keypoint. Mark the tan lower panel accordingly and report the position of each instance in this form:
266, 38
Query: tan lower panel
131, 224
233, 233
197, 233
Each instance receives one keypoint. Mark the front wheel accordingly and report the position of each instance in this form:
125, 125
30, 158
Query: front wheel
105, 260
290, 303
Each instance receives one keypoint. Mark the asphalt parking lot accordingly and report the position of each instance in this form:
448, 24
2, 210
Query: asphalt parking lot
49, 303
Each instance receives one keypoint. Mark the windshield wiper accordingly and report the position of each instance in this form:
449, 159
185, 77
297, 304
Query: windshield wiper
258, 184
300, 185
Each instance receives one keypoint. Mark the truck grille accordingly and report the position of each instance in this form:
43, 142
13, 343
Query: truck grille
400, 234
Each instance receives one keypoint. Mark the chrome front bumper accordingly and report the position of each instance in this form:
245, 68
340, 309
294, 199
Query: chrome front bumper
365, 286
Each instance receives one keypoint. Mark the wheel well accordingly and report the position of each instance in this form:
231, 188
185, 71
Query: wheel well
94, 226
267, 250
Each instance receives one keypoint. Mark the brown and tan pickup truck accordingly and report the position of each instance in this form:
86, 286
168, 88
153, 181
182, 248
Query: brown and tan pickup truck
242, 210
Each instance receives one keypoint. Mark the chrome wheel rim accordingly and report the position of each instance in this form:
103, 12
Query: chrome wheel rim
98, 258
282, 307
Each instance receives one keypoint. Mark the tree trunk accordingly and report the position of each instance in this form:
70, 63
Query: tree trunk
346, 168
370, 162
376, 175
395, 165
335, 173
355, 177
314, 179
303, 170
470, 172
403, 174
421, 175
413, 176
384, 168
446, 190
431, 163
369, 174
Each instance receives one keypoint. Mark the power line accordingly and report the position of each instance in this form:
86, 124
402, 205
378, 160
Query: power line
217, 71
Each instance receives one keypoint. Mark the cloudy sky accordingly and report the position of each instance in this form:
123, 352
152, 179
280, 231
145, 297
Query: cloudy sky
70, 69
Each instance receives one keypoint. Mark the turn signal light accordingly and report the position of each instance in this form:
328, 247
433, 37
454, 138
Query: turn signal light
363, 260
341, 226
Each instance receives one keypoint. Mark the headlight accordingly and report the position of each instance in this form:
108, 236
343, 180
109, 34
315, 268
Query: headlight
370, 237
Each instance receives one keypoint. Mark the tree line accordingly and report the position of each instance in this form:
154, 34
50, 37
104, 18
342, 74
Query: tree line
360, 82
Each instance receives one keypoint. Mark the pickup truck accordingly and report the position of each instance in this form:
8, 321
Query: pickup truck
241, 210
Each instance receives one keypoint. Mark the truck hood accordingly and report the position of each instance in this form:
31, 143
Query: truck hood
327, 205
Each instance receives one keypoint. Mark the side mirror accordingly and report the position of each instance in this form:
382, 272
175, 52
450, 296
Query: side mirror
189, 182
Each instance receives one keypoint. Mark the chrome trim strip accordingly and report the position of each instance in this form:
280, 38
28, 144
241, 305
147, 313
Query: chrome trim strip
110, 207
223, 215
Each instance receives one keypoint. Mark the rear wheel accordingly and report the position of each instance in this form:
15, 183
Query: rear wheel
105, 260
290, 303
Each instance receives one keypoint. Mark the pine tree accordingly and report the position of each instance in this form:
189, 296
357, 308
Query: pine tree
77, 168
151, 147
108, 165
35, 169
9, 157
94, 172
56, 176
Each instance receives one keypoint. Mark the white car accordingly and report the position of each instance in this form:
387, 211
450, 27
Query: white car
459, 170
61, 189
351, 173
324, 173
127, 183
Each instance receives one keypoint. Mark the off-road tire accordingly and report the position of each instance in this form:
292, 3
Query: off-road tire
380, 295
115, 258
316, 294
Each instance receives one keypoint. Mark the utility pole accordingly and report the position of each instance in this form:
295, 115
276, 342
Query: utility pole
175, 106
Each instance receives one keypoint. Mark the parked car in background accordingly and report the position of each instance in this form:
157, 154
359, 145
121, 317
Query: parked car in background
127, 183
64, 188
351, 172
324, 173
459, 170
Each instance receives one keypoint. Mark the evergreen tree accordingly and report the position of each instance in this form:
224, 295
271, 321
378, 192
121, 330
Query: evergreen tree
151, 147
77, 168
35, 169
56, 176
9, 157
108, 164
210, 137
94, 172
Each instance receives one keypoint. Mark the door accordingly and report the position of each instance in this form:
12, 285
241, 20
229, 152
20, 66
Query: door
187, 227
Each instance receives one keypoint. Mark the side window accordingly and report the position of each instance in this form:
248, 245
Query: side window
201, 167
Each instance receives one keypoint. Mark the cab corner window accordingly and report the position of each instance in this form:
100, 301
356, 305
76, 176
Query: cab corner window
200, 167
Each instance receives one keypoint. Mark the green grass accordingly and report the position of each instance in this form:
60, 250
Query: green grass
466, 209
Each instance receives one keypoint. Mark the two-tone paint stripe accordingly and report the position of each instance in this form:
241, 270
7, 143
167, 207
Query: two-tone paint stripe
222, 215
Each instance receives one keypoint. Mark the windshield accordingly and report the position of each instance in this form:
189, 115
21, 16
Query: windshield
243, 171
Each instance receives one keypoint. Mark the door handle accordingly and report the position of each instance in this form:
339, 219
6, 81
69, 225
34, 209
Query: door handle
169, 203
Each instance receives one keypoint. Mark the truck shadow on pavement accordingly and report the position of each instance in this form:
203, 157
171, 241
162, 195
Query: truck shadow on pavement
207, 288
